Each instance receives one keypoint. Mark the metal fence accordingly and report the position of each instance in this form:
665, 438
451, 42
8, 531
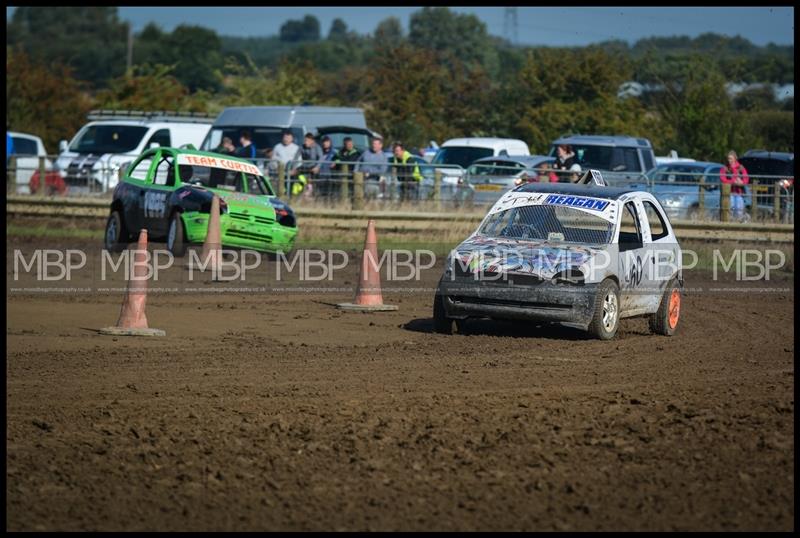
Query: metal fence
421, 185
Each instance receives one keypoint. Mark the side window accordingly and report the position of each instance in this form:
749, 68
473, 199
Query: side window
160, 137
630, 234
631, 156
165, 172
658, 228
140, 169
647, 158
25, 146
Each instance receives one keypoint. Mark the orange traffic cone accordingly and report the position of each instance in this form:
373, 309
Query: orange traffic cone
212, 246
368, 292
132, 320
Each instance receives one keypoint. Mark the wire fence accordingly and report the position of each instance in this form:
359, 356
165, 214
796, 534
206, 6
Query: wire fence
417, 184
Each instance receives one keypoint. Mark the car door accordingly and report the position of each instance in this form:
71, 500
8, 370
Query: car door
160, 184
132, 191
635, 258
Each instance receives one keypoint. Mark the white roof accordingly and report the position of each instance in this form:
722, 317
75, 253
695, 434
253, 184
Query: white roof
480, 142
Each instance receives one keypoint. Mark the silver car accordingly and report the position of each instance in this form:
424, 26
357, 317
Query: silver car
489, 178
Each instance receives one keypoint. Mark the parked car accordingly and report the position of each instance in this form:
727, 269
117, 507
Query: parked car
111, 140
169, 191
28, 149
456, 154
585, 255
771, 168
489, 178
676, 185
621, 159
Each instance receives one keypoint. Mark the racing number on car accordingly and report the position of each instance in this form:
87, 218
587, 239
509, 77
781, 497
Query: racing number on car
634, 276
155, 204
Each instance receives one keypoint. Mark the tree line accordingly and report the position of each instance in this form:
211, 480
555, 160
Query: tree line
445, 77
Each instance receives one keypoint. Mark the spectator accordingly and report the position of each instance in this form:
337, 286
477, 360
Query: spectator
226, 147
546, 174
408, 174
288, 153
248, 149
735, 174
325, 183
565, 161
311, 154
375, 165
347, 156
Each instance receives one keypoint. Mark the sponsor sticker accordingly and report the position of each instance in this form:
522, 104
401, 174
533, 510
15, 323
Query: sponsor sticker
219, 162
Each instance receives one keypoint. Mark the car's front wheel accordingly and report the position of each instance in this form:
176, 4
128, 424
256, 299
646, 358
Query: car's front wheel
176, 238
441, 323
116, 236
605, 319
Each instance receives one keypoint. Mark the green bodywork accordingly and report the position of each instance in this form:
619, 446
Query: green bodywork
249, 222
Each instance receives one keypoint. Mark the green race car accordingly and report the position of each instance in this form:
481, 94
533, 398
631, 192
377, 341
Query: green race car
169, 191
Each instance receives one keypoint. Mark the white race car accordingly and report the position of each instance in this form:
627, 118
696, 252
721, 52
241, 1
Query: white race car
581, 254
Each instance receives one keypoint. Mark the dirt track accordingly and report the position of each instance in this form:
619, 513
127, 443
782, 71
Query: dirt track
276, 411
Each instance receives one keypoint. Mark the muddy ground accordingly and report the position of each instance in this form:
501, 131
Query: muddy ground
276, 411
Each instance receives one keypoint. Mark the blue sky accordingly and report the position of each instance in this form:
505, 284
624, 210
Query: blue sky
536, 25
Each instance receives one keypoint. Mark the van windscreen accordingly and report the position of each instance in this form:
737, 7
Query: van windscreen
263, 137
609, 158
462, 156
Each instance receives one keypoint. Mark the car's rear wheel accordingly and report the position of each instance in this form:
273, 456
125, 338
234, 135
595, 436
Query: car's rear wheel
605, 319
116, 236
176, 237
665, 320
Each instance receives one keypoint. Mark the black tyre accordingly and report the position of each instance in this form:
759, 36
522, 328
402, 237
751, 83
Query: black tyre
665, 320
116, 236
176, 236
441, 323
605, 319
693, 213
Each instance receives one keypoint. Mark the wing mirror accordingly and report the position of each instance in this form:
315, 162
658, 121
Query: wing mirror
62, 146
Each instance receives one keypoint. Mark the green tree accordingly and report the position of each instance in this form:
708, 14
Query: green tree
306, 29
389, 32
149, 88
700, 113
48, 102
92, 41
290, 84
194, 52
338, 30
440, 29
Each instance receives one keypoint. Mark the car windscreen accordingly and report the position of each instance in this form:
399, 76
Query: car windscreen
108, 139
263, 137
548, 222
679, 173
226, 180
496, 168
613, 159
462, 156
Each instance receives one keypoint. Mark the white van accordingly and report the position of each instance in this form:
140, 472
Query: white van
455, 156
113, 139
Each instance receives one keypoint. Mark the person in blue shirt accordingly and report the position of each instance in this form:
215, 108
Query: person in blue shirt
248, 149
